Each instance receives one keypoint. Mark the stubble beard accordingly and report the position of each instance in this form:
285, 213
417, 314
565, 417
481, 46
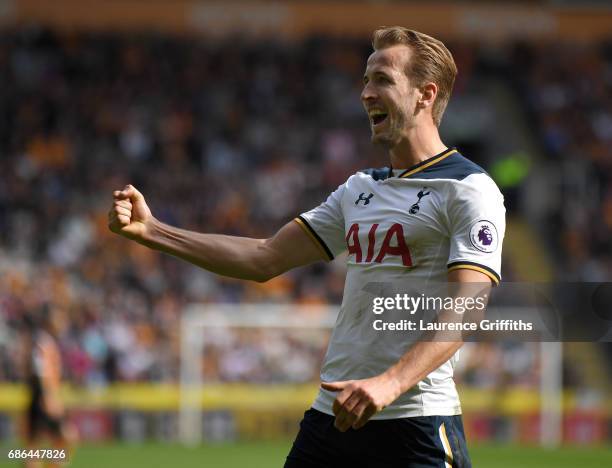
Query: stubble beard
393, 135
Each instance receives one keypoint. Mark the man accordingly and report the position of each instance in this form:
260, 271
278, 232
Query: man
416, 221
46, 414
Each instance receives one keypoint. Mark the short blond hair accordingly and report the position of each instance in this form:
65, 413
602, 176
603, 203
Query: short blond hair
432, 61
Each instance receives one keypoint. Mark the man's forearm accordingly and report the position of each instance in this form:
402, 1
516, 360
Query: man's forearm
368, 396
427, 355
236, 257
420, 360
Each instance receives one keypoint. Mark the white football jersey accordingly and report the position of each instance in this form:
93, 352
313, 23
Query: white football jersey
403, 227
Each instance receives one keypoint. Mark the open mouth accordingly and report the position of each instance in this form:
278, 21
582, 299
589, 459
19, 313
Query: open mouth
378, 118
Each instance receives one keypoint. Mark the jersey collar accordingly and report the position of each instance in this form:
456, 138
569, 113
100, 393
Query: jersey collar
425, 164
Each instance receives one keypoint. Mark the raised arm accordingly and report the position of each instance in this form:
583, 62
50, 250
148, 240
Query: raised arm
236, 257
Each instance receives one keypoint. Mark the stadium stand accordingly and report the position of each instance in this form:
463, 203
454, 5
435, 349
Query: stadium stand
235, 137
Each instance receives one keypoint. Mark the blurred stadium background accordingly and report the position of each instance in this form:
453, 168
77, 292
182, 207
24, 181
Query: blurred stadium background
233, 117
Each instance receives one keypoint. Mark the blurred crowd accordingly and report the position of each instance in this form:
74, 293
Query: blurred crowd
236, 139
233, 137
568, 97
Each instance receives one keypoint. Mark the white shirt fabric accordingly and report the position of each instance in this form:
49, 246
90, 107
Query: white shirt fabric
442, 214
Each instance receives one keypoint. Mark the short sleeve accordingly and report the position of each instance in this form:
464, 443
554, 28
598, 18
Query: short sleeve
477, 224
325, 224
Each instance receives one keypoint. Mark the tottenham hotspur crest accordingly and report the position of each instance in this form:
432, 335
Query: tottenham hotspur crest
414, 209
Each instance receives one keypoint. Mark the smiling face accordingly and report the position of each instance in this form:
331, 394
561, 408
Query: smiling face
388, 95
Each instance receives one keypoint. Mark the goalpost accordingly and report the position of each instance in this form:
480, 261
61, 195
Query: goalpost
199, 322
551, 394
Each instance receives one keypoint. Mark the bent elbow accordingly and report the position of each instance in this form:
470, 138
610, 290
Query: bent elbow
262, 278
265, 274
268, 265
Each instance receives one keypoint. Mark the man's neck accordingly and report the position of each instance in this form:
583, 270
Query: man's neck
422, 143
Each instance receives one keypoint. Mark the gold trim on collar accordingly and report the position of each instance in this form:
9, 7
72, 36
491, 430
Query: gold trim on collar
428, 164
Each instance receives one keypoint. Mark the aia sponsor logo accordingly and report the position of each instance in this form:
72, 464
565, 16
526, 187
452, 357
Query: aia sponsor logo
393, 244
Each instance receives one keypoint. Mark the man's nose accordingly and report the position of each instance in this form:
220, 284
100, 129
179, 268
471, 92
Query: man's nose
367, 93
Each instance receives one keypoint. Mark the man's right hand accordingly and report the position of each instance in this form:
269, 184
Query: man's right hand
129, 216
232, 256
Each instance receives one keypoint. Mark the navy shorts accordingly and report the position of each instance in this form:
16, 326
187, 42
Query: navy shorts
41, 423
420, 442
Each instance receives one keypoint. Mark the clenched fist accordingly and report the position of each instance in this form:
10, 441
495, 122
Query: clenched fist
129, 216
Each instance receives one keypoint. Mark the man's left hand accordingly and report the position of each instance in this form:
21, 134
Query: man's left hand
358, 400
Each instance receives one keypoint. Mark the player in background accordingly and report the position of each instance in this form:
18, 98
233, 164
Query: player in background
432, 216
46, 425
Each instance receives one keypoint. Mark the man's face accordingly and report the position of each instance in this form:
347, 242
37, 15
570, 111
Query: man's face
388, 95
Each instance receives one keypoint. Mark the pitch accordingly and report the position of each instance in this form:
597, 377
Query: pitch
271, 454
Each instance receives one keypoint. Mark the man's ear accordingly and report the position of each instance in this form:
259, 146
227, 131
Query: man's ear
428, 95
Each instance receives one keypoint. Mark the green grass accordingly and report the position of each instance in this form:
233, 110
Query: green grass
272, 454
